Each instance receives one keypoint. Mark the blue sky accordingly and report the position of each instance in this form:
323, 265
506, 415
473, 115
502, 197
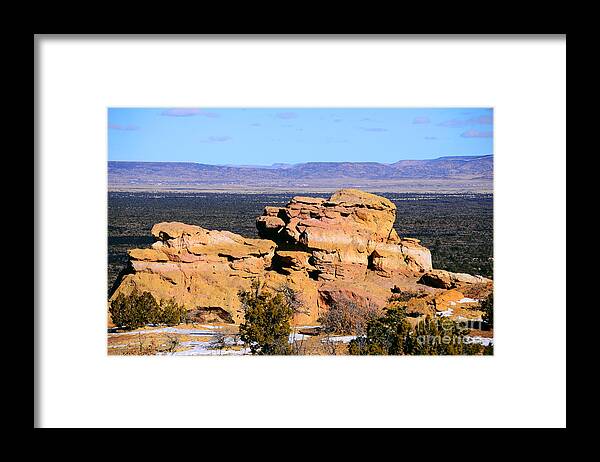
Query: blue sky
293, 135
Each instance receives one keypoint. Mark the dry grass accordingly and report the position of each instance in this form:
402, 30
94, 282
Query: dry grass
150, 341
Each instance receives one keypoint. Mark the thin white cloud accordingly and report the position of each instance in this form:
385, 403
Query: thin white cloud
421, 120
479, 120
477, 134
373, 129
188, 112
129, 127
216, 139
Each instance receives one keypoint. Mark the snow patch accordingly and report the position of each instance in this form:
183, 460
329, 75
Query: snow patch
208, 349
341, 338
485, 341
445, 314
297, 337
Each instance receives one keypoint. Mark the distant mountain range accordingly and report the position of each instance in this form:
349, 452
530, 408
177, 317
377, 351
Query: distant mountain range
126, 175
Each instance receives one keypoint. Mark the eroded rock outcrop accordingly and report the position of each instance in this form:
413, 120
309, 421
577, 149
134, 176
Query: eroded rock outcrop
346, 235
327, 250
200, 268
446, 280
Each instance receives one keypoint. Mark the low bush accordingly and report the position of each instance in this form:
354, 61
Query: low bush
487, 306
266, 327
170, 313
136, 310
385, 335
392, 334
347, 317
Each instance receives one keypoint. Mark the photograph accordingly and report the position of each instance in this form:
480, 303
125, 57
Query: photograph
300, 231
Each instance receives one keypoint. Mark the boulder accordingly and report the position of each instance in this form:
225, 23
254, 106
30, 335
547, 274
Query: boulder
447, 300
420, 307
288, 261
446, 280
269, 226
147, 255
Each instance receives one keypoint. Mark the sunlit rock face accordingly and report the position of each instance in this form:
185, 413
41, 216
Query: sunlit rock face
198, 267
446, 280
327, 250
348, 234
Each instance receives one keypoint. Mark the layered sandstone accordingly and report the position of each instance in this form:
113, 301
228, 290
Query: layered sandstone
344, 236
200, 268
447, 280
327, 250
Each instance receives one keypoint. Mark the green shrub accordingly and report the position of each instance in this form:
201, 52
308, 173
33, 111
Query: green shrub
386, 335
136, 310
170, 313
392, 334
266, 327
133, 310
441, 336
487, 306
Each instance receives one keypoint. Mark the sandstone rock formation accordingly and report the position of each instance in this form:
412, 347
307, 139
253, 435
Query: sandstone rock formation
327, 250
343, 237
447, 280
200, 268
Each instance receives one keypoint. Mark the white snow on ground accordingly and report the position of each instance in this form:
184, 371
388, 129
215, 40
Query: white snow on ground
445, 314
211, 348
232, 341
342, 338
485, 341
198, 347
207, 349
468, 300
297, 337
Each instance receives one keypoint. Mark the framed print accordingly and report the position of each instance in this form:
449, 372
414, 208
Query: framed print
311, 231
